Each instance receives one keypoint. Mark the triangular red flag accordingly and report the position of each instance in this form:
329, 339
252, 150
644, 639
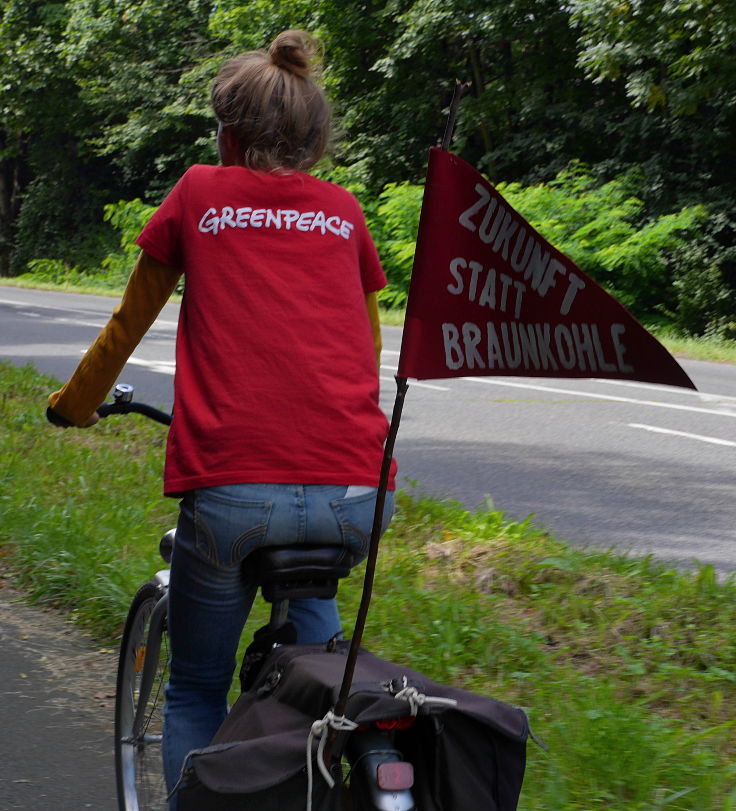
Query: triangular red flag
490, 296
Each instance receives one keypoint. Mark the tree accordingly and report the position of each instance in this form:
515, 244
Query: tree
142, 69
35, 113
674, 62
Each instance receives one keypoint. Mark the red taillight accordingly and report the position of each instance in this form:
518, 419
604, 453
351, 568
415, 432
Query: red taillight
396, 723
395, 776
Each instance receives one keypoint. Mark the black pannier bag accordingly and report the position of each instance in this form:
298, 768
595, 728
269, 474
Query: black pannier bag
466, 757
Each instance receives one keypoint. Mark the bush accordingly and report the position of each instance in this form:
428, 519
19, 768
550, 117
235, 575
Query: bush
649, 264
129, 218
604, 229
705, 282
59, 220
395, 229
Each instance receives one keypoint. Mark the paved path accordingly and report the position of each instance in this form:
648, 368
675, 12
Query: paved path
56, 712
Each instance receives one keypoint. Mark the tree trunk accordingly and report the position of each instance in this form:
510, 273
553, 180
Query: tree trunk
9, 204
479, 88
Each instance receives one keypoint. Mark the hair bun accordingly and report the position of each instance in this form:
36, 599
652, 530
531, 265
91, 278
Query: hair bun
294, 51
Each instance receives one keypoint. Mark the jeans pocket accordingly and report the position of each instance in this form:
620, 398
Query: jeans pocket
355, 517
228, 529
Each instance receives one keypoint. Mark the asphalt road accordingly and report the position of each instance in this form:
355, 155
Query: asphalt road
641, 468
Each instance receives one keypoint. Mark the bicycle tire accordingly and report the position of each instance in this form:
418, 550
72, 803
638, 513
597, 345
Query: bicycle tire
138, 762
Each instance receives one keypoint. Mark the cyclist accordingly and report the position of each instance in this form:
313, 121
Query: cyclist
277, 434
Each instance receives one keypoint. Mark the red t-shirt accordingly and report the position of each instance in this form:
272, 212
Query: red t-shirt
276, 377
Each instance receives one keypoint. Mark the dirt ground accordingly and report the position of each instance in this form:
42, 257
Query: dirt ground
56, 711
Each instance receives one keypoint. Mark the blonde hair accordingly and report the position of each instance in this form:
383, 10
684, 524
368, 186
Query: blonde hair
277, 111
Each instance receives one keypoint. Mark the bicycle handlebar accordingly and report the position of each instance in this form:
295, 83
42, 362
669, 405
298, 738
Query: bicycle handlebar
106, 409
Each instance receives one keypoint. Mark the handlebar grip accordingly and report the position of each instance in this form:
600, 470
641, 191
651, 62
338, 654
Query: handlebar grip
106, 409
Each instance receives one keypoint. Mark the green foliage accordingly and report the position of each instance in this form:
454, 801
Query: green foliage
130, 62
625, 667
394, 228
128, 218
108, 99
672, 54
601, 227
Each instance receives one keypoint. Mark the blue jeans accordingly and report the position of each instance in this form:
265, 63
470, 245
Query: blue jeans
211, 591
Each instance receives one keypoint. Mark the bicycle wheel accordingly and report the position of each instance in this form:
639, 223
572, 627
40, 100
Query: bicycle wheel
142, 674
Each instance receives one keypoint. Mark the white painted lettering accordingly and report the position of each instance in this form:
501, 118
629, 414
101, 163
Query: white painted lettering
565, 347
488, 293
520, 290
505, 284
516, 263
495, 357
598, 346
507, 230
289, 216
241, 217
318, 222
226, 218
617, 331
208, 223
333, 224
574, 283
584, 348
529, 351
465, 218
553, 268
305, 220
475, 268
453, 353
471, 339
544, 346
488, 235
537, 267
513, 359
455, 265
245, 216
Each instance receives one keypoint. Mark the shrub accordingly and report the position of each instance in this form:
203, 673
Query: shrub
129, 218
604, 229
395, 231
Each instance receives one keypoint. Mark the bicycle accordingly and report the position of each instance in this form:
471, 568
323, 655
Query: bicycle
284, 573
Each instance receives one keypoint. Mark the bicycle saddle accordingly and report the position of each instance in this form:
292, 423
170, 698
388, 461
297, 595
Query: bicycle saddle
293, 572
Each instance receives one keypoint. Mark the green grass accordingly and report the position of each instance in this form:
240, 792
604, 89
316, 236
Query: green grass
720, 350
626, 668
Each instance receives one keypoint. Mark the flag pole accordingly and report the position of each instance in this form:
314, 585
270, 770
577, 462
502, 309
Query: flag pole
370, 569
461, 88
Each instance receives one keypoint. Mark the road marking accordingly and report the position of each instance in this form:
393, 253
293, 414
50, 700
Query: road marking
723, 399
612, 397
414, 382
654, 387
494, 381
164, 367
162, 323
711, 439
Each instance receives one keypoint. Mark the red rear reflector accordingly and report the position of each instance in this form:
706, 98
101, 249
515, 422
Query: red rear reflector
396, 723
395, 776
